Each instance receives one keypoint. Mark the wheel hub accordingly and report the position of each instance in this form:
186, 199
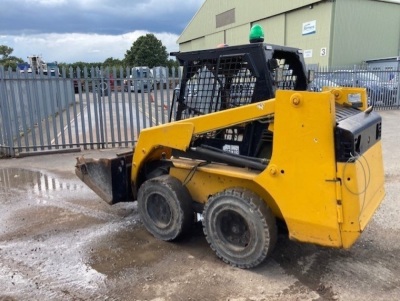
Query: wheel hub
158, 210
233, 229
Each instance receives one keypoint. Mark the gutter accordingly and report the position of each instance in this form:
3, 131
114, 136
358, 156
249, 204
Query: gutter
390, 1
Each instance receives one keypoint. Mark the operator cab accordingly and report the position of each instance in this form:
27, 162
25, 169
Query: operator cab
233, 76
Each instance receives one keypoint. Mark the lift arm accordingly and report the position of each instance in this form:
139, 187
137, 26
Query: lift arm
178, 135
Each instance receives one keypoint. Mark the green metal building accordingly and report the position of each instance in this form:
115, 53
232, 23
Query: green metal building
332, 33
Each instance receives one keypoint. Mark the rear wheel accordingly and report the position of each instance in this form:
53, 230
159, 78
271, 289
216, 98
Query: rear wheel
165, 207
239, 227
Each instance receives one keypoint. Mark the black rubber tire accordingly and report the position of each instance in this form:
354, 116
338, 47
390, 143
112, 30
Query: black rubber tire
239, 227
165, 207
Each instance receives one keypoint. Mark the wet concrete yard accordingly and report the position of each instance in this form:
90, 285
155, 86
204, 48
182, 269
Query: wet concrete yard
59, 241
46, 234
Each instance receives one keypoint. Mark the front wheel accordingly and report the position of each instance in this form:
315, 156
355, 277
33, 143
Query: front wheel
239, 227
165, 207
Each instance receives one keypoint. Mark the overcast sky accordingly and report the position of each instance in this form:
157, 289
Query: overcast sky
90, 30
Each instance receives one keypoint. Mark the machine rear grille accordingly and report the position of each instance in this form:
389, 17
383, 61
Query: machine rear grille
345, 112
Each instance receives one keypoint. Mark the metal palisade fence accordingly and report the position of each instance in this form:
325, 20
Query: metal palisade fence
382, 86
67, 110
73, 109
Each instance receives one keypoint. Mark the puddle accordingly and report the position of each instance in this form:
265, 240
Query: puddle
47, 202
35, 181
59, 233
18, 186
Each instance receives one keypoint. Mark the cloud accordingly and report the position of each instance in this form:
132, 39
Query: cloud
46, 2
90, 30
95, 16
74, 47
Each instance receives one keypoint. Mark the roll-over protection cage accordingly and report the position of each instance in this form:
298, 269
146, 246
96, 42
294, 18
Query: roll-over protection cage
223, 78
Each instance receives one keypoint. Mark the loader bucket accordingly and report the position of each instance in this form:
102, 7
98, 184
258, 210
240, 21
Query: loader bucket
108, 178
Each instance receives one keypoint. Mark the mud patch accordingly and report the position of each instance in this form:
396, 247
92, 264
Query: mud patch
136, 248
7, 298
392, 178
307, 263
123, 250
44, 221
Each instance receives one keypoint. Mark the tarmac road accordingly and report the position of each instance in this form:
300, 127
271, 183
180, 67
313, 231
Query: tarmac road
59, 241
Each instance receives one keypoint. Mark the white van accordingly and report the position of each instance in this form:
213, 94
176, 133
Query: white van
160, 75
140, 79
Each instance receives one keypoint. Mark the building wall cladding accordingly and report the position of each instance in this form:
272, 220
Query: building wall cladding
346, 31
275, 29
312, 42
246, 12
385, 64
364, 29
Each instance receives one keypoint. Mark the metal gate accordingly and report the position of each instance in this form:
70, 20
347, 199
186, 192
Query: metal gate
89, 108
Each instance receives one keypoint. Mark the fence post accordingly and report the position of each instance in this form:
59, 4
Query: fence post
5, 115
398, 89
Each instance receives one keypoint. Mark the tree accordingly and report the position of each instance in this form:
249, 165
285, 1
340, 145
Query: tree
6, 60
5, 51
82, 67
173, 64
147, 51
112, 62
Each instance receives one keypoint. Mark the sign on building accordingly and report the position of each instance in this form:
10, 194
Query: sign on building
309, 28
307, 53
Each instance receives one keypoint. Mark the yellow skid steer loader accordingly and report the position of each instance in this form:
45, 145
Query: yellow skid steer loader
247, 146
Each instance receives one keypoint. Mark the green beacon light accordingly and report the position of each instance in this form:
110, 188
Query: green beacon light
256, 34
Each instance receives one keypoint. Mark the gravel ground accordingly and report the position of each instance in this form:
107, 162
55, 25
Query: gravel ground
59, 241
